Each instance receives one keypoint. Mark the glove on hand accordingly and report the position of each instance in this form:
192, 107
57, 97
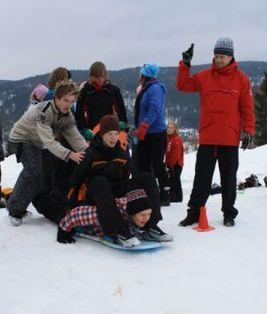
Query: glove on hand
122, 125
246, 140
88, 134
65, 236
141, 131
188, 55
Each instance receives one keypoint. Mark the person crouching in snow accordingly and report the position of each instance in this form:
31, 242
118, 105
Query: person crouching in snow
105, 172
35, 131
175, 162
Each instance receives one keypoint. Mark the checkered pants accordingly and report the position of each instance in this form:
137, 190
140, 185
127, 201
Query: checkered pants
86, 216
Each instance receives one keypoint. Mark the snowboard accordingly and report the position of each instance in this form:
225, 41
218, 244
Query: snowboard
144, 246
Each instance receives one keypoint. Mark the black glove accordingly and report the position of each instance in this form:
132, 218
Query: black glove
188, 55
65, 236
246, 140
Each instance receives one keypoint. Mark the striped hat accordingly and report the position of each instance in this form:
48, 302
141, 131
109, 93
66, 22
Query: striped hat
224, 46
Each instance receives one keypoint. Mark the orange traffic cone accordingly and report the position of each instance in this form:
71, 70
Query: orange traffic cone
203, 224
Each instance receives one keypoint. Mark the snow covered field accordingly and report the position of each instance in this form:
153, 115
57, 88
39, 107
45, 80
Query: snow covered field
217, 272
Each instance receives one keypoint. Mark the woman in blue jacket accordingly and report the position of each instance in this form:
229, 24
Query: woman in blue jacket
151, 128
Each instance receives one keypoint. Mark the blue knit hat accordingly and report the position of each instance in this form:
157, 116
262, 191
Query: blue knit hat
224, 46
150, 70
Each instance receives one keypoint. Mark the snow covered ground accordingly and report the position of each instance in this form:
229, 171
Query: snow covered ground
217, 272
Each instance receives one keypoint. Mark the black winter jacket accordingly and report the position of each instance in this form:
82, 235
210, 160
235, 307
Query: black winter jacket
93, 104
100, 160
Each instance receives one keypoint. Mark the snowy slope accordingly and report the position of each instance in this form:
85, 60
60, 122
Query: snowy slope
218, 272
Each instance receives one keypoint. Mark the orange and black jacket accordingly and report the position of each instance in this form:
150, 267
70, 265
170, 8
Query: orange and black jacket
111, 163
93, 104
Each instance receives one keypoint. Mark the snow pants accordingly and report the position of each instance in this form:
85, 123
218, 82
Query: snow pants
176, 193
29, 182
150, 156
207, 157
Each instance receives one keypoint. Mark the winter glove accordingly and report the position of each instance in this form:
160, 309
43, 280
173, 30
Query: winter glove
122, 125
88, 134
141, 131
65, 236
246, 140
188, 55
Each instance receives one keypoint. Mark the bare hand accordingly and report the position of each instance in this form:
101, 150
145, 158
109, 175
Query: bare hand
77, 157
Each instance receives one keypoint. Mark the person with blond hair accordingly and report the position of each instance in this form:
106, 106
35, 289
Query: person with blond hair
175, 161
35, 131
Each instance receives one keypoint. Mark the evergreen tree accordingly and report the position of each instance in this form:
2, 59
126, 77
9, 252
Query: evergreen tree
261, 113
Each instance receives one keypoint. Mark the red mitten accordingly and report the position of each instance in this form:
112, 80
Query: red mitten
141, 131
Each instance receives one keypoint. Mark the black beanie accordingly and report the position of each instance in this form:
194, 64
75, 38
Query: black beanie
137, 201
108, 123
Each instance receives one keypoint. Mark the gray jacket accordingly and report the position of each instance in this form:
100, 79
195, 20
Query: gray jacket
40, 125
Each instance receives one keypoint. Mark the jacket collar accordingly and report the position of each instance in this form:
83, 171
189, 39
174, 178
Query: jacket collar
56, 110
226, 70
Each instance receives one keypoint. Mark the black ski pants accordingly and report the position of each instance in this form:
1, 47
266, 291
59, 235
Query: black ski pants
150, 156
176, 193
207, 156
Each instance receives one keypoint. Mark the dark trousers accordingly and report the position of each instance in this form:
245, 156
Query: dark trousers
29, 182
150, 156
148, 182
176, 193
56, 172
207, 156
52, 205
103, 196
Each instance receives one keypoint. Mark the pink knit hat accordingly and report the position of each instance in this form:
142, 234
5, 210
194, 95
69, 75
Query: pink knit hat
40, 91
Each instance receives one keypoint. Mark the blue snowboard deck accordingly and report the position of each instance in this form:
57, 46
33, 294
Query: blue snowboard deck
144, 246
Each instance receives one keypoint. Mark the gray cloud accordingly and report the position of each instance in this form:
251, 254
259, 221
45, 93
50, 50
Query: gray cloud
37, 36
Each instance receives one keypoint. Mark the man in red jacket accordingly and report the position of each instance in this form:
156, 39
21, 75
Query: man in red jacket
226, 110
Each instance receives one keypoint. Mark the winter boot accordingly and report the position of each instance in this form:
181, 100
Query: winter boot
191, 218
155, 234
65, 236
164, 196
16, 219
125, 238
228, 222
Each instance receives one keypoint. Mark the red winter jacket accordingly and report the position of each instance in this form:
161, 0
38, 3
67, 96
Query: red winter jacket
226, 102
175, 151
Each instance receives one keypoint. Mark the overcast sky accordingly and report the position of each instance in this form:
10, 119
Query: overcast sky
37, 36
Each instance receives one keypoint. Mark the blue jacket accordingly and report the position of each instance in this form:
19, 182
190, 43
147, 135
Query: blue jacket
152, 107
49, 95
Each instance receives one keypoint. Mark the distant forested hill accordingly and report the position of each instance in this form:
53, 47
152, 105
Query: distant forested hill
182, 107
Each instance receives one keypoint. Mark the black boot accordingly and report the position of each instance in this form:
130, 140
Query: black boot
265, 180
65, 236
191, 218
164, 197
228, 222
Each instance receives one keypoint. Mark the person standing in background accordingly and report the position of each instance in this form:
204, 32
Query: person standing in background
226, 110
97, 98
175, 162
151, 128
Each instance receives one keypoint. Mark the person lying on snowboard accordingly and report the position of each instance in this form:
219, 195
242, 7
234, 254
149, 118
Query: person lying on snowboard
103, 179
